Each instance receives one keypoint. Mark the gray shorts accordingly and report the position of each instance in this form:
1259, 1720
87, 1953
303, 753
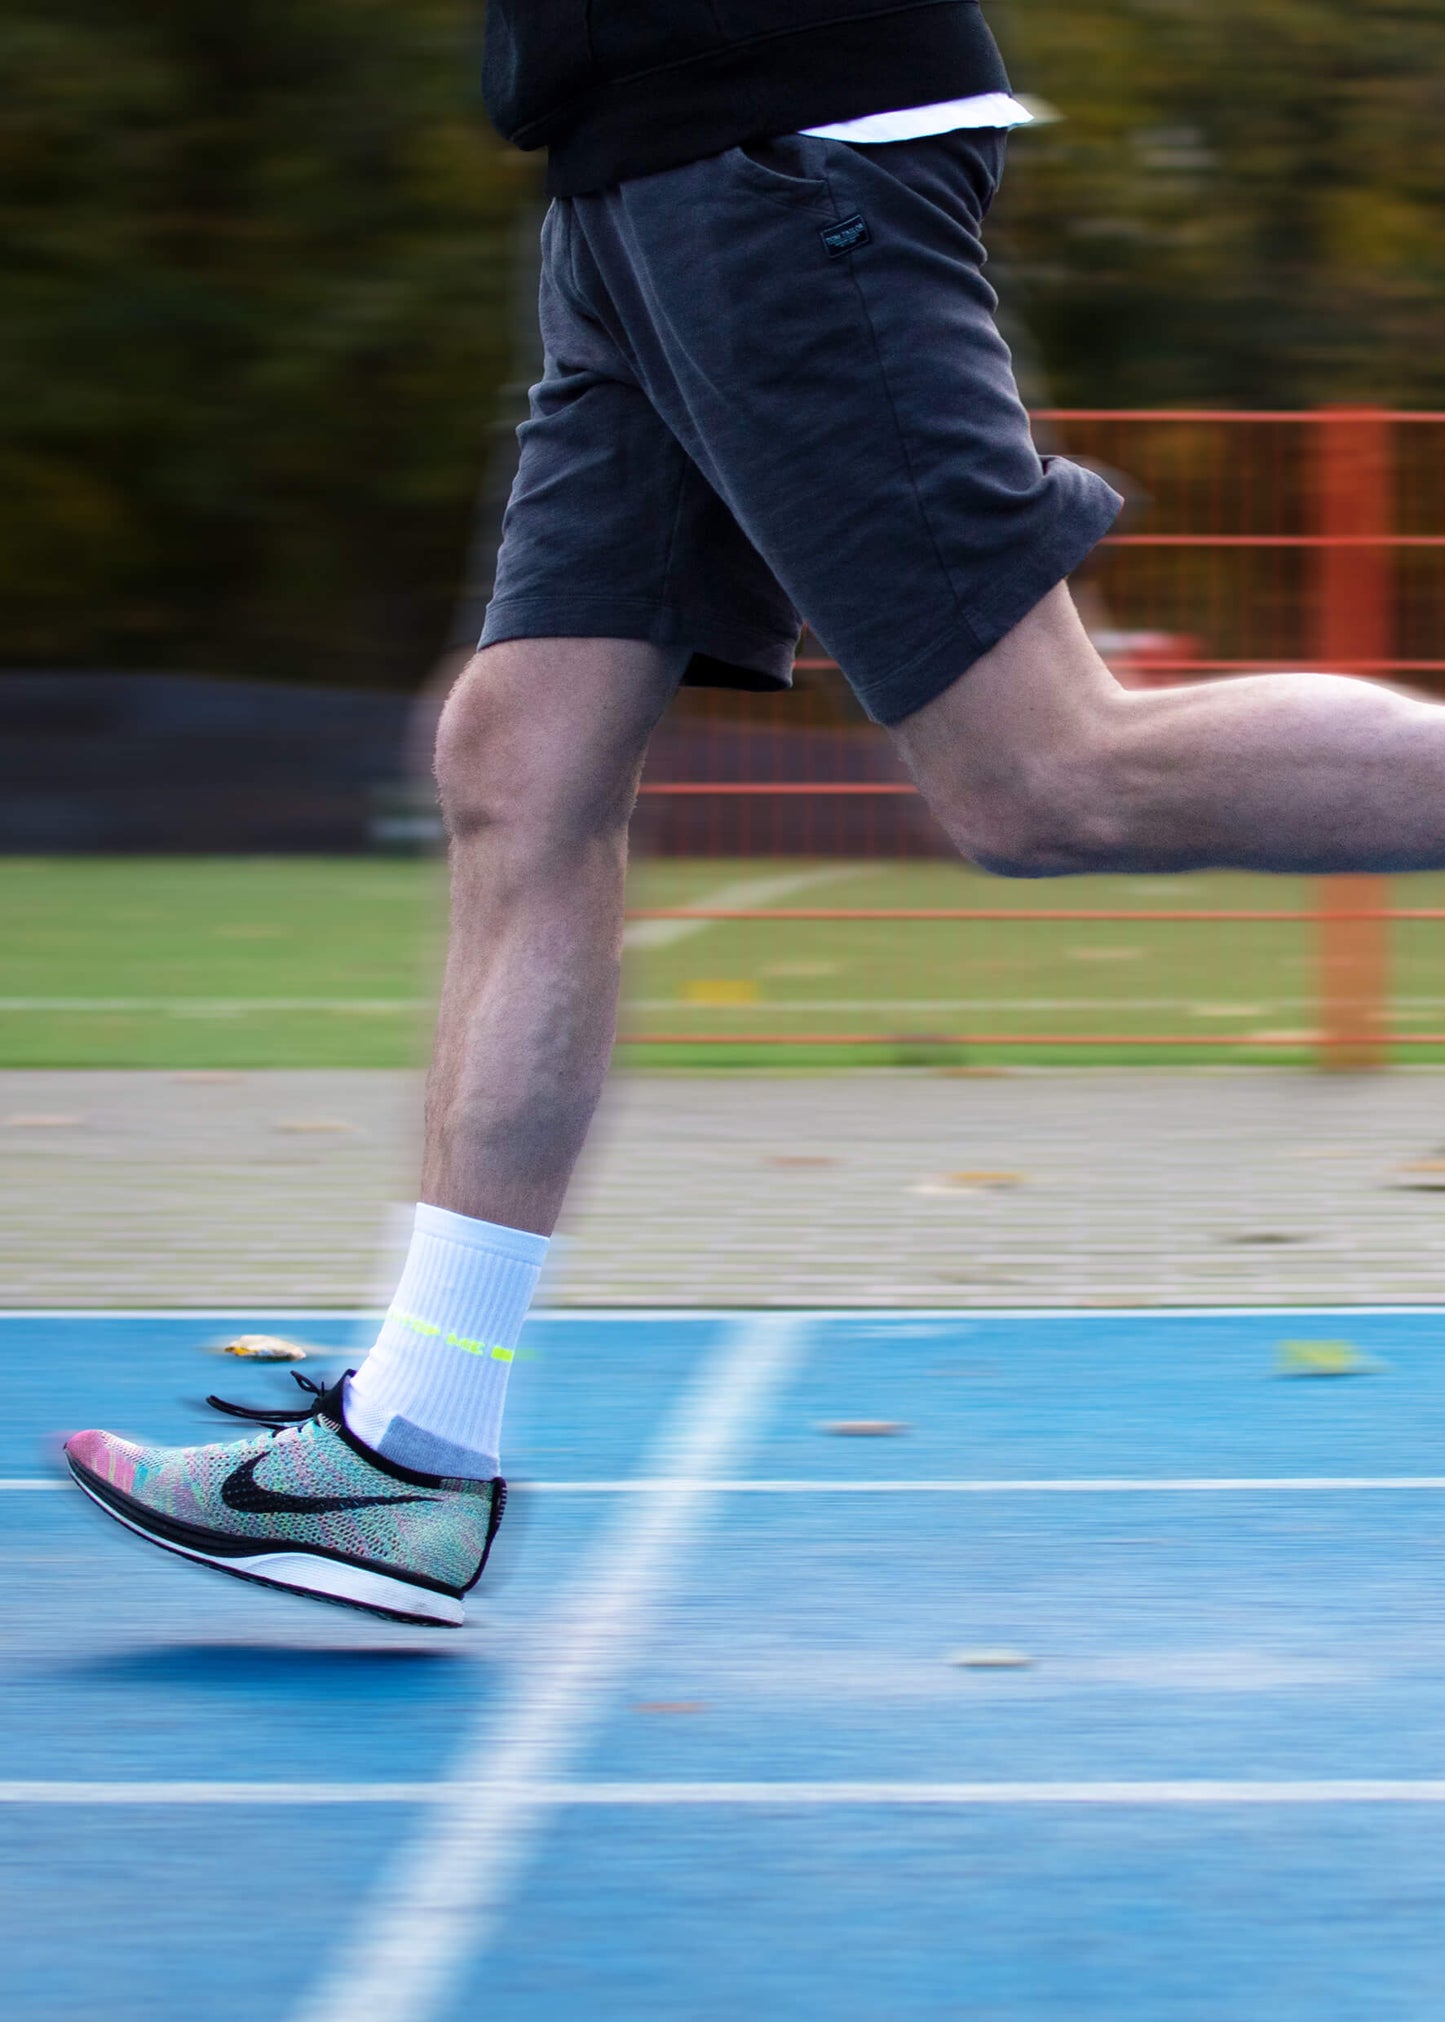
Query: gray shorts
775, 392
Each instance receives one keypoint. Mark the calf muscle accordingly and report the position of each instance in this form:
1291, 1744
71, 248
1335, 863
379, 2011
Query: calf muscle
538, 760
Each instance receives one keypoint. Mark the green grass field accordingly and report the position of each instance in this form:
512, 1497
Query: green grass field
315, 962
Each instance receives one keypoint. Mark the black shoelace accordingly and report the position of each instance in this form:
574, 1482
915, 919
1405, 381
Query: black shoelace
324, 1397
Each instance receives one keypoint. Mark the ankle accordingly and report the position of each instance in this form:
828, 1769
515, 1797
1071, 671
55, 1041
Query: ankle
413, 1446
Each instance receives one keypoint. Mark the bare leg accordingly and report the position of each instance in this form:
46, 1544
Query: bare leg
1039, 764
538, 756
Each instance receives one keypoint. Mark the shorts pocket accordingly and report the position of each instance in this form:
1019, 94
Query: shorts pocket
783, 169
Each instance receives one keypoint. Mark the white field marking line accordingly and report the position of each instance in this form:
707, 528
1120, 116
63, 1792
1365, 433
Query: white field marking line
213, 1004
962, 1004
641, 935
647, 934
439, 1905
556, 1794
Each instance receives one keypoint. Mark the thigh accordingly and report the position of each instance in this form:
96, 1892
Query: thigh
813, 322
611, 530
1039, 706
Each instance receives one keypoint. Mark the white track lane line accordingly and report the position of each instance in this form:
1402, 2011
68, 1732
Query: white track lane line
1120, 1485
438, 1908
1202, 1792
1267, 1484
20, 1791
871, 1317
558, 1794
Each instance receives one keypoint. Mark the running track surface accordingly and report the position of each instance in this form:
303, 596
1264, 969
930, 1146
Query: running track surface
701, 1752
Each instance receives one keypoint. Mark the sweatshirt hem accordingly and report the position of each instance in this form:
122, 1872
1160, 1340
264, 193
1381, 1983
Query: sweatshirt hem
764, 87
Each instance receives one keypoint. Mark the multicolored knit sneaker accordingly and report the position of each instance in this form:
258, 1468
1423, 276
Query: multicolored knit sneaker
304, 1506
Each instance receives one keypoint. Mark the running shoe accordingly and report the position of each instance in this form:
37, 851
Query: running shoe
303, 1506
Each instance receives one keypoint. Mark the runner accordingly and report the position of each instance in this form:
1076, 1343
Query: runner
774, 391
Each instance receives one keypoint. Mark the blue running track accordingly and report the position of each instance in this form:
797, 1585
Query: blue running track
706, 1749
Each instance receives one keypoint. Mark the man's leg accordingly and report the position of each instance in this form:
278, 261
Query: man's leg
538, 756
1039, 764
384, 1494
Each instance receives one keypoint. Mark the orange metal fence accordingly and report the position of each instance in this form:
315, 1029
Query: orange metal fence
1253, 541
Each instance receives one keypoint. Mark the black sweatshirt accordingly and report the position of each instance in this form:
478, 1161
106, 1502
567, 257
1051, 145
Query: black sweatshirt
619, 88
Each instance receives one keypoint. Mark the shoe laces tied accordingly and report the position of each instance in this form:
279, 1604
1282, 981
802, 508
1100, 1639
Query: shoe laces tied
324, 1398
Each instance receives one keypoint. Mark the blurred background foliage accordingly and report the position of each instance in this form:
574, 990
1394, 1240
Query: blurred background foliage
259, 266
1244, 204
257, 260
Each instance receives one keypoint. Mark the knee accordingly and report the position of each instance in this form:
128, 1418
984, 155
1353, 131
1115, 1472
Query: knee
477, 741
509, 772
1059, 814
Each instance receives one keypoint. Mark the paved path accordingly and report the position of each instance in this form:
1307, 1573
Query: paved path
860, 1189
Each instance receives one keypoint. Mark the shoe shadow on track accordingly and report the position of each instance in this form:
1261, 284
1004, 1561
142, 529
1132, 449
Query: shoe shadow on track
349, 1673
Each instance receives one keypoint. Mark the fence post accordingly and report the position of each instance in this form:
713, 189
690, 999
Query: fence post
1354, 482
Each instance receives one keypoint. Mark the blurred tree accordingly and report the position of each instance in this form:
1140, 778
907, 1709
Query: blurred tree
1243, 204
258, 264
257, 269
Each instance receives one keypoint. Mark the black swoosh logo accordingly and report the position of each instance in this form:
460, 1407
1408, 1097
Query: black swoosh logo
242, 1492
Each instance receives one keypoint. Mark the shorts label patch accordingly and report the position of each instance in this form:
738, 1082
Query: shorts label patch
846, 236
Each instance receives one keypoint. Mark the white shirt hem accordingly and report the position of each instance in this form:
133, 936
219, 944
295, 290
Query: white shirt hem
914, 122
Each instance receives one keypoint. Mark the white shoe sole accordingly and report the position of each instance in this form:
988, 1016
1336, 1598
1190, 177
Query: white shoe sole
305, 1573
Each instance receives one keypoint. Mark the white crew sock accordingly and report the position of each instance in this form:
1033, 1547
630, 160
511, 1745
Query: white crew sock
430, 1393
